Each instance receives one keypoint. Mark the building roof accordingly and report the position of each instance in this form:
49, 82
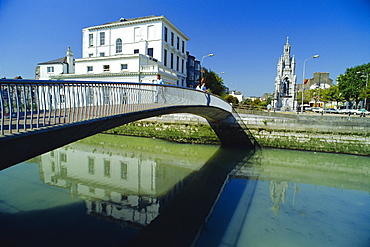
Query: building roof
124, 22
61, 60
131, 19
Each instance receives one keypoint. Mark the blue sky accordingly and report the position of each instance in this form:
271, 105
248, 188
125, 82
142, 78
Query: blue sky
245, 36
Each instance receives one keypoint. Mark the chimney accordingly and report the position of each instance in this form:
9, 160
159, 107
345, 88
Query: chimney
70, 61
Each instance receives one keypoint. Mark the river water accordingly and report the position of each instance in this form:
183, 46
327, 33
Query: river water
111, 190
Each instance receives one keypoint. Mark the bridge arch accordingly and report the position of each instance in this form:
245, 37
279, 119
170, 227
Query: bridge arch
140, 102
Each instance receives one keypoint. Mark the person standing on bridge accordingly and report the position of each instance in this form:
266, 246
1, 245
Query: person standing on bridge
204, 88
160, 89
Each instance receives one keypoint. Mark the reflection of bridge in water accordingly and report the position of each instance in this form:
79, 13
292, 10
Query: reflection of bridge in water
39, 116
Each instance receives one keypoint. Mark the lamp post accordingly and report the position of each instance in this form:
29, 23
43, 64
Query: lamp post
201, 66
304, 68
209, 55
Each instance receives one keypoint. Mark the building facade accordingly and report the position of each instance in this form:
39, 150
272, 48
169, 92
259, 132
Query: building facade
128, 50
284, 98
319, 80
64, 65
193, 71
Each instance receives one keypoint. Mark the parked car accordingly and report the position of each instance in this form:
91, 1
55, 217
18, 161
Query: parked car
359, 111
317, 109
330, 110
343, 111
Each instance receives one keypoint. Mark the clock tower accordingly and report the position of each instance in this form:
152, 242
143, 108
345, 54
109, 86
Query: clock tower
285, 82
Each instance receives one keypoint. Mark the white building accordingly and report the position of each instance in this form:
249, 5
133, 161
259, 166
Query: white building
132, 50
237, 95
64, 65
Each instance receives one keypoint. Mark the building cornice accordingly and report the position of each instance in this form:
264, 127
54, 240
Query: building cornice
140, 20
115, 57
104, 74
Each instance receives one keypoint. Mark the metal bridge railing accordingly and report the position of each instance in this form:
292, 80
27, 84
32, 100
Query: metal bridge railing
30, 104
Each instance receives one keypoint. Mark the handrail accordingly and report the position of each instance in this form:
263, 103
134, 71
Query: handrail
30, 104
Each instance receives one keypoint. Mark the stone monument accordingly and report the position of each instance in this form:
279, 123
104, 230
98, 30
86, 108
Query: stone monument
284, 98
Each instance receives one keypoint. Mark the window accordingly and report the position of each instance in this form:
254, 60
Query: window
102, 54
191, 75
118, 45
178, 43
150, 52
63, 157
123, 170
136, 51
177, 63
107, 168
172, 38
150, 32
89, 68
91, 39
165, 34
102, 38
137, 34
183, 47
91, 165
182, 66
50, 69
171, 60
123, 66
165, 57
91, 55
106, 67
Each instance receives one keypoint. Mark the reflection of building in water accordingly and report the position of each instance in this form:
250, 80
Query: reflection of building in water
277, 194
297, 167
122, 185
331, 170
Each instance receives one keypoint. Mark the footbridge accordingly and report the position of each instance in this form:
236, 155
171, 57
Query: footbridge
38, 116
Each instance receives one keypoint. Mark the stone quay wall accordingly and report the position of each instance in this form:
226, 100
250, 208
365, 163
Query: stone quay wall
308, 131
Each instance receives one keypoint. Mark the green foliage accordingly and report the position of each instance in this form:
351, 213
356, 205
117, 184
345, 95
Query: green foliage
314, 95
332, 94
255, 102
196, 133
231, 99
215, 83
352, 84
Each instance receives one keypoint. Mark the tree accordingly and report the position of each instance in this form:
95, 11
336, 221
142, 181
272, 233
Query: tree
231, 99
215, 83
332, 94
352, 84
313, 94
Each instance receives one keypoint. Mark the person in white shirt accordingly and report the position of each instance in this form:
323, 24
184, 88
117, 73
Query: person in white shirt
160, 89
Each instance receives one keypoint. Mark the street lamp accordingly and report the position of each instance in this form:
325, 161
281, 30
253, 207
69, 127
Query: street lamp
201, 68
209, 55
304, 68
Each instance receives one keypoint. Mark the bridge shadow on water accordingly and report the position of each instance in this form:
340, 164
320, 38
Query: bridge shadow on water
184, 217
183, 210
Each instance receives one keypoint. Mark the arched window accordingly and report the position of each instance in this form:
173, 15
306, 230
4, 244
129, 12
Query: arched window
118, 45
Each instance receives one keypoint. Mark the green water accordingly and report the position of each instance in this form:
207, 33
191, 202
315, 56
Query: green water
111, 190
294, 198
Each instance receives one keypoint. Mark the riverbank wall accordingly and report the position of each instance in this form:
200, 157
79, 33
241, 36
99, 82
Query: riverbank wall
308, 131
